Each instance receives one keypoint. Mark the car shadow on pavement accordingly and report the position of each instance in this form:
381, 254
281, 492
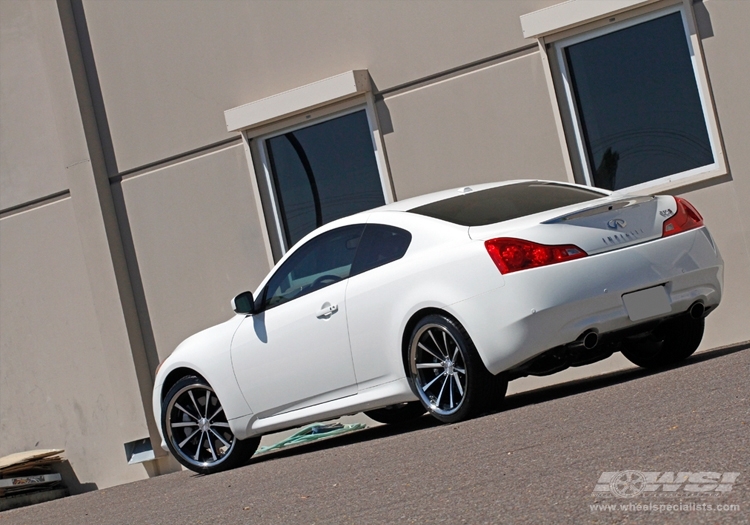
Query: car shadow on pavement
512, 402
588, 384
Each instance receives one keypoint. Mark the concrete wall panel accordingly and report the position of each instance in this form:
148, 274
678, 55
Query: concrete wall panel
59, 385
198, 240
492, 124
728, 62
723, 29
721, 207
169, 69
33, 68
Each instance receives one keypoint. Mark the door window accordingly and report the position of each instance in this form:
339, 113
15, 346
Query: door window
322, 261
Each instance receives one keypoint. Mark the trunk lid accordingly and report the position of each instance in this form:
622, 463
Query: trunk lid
597, 228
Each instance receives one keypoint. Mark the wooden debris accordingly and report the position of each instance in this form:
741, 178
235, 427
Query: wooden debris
24, 471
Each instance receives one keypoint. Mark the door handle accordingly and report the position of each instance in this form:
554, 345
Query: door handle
327, 310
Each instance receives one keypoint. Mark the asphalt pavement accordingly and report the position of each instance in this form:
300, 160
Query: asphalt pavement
628, 447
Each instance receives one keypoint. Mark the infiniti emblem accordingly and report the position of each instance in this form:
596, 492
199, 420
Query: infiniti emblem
617, 223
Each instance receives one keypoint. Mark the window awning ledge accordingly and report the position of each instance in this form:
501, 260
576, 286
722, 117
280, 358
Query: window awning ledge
572, 13
298, 100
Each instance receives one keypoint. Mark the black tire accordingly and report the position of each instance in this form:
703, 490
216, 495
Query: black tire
397, 414
669, 344
196, 429
446, 372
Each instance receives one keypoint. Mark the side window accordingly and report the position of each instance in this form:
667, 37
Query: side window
380, 245
322, 261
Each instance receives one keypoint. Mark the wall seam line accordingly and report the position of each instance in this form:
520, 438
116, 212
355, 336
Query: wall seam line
35, 203
456, 71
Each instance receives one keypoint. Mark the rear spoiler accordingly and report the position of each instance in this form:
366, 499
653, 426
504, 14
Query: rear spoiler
601, 208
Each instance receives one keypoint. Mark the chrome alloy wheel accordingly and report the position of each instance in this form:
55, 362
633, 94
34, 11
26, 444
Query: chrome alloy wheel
197, 428
438, 367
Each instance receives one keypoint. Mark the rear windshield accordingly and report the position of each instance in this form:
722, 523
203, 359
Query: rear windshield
504, 203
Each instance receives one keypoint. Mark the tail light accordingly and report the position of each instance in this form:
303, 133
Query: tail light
685, 218
512, 255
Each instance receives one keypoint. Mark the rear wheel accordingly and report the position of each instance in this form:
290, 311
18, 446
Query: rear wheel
397, 414
446, 372
670, 343
196, 430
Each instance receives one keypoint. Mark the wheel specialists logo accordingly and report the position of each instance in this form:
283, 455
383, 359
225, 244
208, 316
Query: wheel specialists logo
632, 483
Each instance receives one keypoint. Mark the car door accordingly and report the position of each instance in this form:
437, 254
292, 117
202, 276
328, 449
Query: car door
295, 352
376, 289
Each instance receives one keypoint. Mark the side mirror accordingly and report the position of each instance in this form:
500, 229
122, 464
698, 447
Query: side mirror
243, 303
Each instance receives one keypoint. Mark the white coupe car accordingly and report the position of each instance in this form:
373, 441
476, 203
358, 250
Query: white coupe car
432, 304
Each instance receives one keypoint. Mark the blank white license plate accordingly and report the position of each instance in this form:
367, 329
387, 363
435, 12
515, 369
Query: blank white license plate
647, 303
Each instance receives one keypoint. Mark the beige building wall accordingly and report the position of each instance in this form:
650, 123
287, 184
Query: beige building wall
106, 267
197, 236
68, 376
493, 123
169, 69
725, 206
29, 65
61, 384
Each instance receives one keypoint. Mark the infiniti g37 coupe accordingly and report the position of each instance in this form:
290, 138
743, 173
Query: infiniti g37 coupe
432, 304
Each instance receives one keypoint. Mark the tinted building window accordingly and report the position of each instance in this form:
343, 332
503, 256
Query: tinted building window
323, 172
380, 244
638, 105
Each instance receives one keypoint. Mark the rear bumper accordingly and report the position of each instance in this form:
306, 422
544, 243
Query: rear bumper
542, 308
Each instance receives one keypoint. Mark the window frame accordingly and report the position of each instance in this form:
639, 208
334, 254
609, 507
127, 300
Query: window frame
552, 43
300, 106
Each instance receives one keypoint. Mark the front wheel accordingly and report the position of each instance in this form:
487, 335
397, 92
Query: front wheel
670, 343
446, 372
196, 429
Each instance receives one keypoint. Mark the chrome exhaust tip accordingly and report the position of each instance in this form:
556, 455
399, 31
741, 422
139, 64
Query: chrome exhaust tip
697, 310
590, 340
587, 340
